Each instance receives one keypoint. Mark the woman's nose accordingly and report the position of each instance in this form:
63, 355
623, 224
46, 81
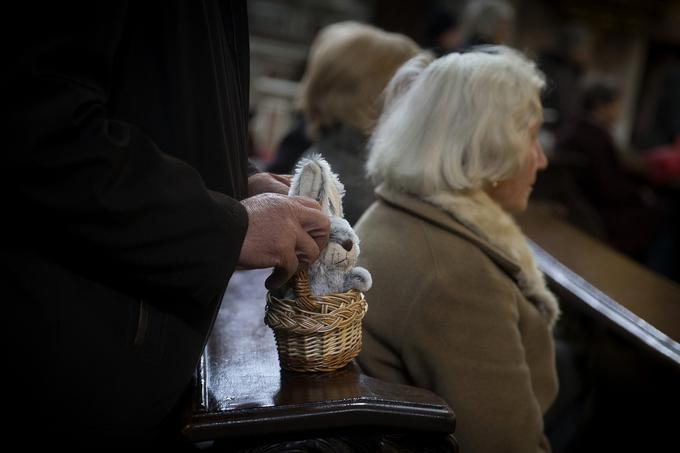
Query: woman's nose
541, 158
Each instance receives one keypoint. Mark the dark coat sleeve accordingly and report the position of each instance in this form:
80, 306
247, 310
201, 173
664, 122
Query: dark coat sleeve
98, 192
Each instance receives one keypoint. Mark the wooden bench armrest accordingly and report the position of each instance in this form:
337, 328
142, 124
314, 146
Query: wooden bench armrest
360, 401
241, 391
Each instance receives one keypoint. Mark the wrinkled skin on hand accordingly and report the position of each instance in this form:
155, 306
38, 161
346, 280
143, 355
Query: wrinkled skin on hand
282, 232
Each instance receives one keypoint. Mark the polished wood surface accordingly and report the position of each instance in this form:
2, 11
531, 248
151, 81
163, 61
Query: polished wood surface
241, 391
630, 297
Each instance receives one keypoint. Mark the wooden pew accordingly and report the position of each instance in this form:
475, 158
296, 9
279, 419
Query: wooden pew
591, 276
242, 397
621, 328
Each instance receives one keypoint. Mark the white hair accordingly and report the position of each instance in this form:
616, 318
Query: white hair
463, 122
404, 77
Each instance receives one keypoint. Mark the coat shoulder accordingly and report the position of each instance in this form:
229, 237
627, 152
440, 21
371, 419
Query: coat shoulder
393, 239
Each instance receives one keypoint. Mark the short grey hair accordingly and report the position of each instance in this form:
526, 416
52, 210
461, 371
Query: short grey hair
463, 122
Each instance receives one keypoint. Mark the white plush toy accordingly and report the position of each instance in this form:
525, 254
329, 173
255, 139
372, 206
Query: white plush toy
335, 271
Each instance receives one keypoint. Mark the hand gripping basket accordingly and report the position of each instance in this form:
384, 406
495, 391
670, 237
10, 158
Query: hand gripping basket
316, 333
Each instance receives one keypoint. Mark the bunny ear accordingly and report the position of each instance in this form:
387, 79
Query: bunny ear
333, 188
313, 178
307, 180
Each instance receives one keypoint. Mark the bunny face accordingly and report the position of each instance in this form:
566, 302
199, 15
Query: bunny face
343, 246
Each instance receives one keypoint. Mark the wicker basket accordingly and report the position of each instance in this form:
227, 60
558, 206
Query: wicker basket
316, 333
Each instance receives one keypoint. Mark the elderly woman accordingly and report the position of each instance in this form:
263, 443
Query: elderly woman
349, 65
458, 305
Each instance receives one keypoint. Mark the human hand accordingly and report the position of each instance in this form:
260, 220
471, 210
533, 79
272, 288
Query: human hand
282, 232
268, 183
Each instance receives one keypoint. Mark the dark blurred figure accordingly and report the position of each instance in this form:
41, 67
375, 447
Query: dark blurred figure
442, 33
291, 147
667, 118
632, 216
662, 161
128, 203
659, 122
564, 69
487, 22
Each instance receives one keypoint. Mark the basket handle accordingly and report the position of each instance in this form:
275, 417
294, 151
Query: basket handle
303, 292
301, 284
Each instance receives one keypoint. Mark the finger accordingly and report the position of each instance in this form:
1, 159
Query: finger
275, 280
307, 202
283, 272
306, 248
279, 187
316, 224
320, 237
283, 179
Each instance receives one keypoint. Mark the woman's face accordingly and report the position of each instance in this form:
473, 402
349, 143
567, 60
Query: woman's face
513, 194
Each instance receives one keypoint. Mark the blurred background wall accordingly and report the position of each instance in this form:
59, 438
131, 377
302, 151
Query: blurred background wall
634, 42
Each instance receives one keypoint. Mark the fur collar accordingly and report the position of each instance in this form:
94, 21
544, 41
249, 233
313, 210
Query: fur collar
483, 216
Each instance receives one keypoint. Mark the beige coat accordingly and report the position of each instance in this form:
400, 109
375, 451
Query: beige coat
458, 307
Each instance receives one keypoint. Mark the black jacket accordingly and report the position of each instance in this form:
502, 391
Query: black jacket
121, 177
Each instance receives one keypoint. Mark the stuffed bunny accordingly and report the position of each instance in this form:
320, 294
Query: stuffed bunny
335, 271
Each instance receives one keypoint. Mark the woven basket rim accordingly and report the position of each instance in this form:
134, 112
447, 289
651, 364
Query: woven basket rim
355, 308
350, 296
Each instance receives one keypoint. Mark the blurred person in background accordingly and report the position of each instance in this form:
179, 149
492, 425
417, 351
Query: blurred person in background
442, 31
564, 69
296, 141
458, 304
341, 98
635, 220
487, 22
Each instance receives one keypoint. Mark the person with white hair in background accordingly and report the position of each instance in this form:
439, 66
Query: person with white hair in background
487, 22
458, 305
